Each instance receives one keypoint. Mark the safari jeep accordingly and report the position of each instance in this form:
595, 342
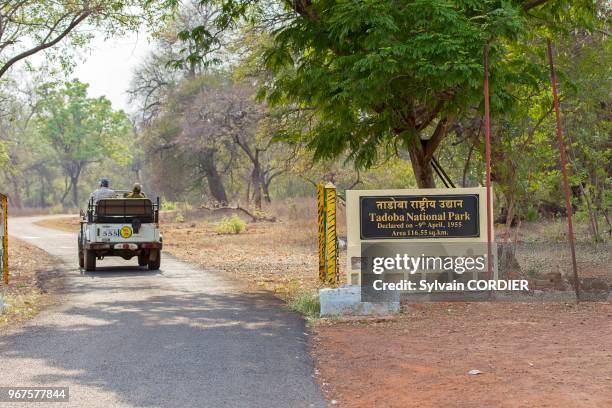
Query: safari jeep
125, 227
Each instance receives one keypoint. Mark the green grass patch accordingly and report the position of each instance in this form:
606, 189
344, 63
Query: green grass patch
230, 225
306, 303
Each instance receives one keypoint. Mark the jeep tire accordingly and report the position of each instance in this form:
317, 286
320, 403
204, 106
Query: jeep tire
154, 263
90, 260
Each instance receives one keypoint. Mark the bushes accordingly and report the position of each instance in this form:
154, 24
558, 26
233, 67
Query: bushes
168, 205
231, 225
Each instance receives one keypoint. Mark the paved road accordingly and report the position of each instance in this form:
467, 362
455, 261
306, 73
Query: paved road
180, 337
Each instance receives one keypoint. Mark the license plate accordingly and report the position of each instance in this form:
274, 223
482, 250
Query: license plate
114, 232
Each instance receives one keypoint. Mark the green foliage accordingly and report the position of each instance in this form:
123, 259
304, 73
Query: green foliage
383, 74
4, 156
368, 67
532, 214
168, 205
307, 303
179, 217
230, 225
81, 130
32, 26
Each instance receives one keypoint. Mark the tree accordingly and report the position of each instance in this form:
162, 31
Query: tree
391, 74
21, 153
162, 69
81, 130
28, 27
184, 140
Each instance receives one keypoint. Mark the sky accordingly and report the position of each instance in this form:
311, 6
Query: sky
108, 66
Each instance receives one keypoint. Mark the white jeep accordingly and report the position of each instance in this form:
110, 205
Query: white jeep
125, 227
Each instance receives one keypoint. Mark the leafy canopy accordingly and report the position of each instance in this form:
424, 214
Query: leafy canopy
387, 72
80, 129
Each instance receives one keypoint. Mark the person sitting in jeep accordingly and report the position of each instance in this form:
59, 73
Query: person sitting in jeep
136, 192
103, 192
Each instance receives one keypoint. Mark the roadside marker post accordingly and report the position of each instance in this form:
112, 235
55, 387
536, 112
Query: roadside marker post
327, 236
4, 231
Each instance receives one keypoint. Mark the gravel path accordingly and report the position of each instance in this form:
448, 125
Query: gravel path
178, 337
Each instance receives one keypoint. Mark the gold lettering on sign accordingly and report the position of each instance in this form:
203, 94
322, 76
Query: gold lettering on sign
451, 203
391, 205
423, 204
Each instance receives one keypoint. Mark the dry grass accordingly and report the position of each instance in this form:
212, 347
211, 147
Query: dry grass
33, 282
279, 256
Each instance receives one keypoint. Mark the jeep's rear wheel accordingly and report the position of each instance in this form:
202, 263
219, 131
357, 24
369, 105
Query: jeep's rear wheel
155, 263
90, 261
143, 260
81, 255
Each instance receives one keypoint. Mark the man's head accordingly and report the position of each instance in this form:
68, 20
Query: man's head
137, 188
104, 182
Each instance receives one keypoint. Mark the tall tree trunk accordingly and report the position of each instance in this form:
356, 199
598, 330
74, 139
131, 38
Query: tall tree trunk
248, 192
213, 178
256, 179
74, 180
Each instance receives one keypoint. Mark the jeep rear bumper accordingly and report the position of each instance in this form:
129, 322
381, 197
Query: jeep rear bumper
134, 246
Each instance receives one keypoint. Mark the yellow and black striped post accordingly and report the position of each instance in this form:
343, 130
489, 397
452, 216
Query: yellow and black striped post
326, 203
321, 224
5, 268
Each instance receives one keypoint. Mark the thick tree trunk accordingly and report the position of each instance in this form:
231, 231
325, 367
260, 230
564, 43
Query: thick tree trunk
422, 152
216, 187
423, 172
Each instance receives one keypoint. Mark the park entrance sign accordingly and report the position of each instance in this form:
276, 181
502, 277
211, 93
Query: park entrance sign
436, 236
419, 216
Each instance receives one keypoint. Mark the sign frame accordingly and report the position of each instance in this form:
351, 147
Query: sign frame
353, 222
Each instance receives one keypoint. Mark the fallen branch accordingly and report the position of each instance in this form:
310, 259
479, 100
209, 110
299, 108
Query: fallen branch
254, 217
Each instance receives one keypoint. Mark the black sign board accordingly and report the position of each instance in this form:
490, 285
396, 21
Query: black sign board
418, 217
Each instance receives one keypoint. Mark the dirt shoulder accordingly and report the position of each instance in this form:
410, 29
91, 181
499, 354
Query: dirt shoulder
544, 355
35, 283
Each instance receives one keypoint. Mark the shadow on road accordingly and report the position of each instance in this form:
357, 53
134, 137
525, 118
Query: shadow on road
200, 350
117, 271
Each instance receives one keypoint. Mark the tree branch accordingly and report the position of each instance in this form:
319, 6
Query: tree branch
533, 3
431, 144
75, 22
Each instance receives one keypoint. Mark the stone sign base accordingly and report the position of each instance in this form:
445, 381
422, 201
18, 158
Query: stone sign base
346, 300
